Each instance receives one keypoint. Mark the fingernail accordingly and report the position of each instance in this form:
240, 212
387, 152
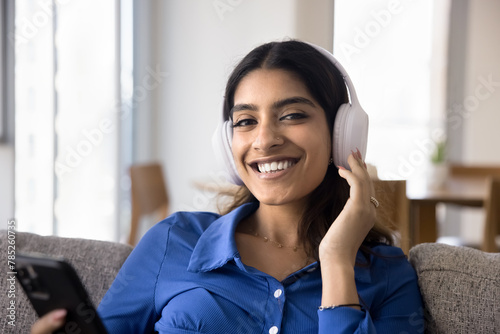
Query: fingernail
341, 167
359, 153
59, 314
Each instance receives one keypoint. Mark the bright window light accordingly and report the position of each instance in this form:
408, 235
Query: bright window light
68, 125
395, 53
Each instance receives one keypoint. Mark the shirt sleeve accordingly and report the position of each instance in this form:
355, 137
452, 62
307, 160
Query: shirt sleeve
129, 304
399, 311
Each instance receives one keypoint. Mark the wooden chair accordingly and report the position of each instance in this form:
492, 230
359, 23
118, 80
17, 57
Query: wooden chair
394, 209
149, 195
492, 221
491, 173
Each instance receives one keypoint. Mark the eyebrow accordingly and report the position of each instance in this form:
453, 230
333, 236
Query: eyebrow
276, 105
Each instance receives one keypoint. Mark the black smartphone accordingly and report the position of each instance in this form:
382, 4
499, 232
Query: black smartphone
51, 283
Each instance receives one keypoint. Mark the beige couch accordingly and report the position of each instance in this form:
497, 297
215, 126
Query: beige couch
460, 286
96, 262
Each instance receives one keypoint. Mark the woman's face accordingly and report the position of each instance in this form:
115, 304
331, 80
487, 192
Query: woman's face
281, 141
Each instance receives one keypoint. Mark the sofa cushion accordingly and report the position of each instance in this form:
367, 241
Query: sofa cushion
96, 262
460, 287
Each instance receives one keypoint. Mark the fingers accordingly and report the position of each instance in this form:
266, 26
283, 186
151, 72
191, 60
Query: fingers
357, 165
49, 322
358, 178
358, 160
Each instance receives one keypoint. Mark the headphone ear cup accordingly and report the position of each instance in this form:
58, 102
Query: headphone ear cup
222, 142
350, 133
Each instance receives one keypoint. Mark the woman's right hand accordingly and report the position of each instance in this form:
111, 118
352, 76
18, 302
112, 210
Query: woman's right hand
49, 322
344, 237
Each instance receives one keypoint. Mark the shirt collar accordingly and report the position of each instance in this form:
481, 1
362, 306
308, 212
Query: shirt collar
216, 246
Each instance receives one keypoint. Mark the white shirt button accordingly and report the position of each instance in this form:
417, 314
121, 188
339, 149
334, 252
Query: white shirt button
278, 293
273, 330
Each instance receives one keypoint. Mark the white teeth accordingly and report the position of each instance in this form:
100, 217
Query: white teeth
274, 166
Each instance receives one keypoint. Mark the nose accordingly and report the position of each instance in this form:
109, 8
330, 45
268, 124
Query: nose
267, 136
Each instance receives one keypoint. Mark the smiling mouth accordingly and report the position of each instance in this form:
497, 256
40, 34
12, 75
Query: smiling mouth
274, 166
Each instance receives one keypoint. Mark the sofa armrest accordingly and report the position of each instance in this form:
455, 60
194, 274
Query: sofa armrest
96, 263
460, 288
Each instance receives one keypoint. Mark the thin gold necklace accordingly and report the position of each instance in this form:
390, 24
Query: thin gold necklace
277, 244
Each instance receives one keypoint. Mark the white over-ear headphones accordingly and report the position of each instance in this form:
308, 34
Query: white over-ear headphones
350, 130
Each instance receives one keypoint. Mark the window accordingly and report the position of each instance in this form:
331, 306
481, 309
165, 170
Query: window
395, 53
69, 120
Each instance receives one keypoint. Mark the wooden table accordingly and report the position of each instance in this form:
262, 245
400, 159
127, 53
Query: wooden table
423, 198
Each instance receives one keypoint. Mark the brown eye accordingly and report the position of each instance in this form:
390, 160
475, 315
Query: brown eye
293, 116
244, 122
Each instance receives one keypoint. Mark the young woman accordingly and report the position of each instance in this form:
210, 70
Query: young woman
300, 249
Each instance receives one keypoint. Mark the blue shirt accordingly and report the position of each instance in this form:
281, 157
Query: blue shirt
186, 276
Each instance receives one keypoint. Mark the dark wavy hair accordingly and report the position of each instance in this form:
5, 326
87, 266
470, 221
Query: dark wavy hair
326, 84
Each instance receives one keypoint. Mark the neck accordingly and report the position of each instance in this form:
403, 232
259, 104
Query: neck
278, 222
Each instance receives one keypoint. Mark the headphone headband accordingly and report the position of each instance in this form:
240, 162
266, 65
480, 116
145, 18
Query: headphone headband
350, 87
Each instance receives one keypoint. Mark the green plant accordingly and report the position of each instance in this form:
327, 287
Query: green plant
439, 153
